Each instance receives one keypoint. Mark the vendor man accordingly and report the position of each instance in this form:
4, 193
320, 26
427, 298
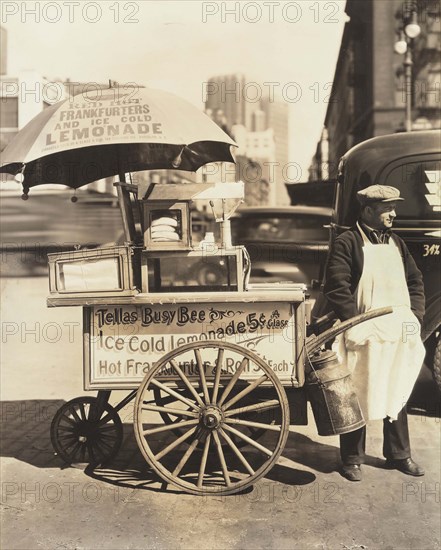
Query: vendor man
370, 267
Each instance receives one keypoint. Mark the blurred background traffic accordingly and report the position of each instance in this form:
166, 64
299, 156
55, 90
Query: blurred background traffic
381, 85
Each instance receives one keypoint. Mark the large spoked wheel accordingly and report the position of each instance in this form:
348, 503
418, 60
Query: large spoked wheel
228, 387
162, 398
81, 433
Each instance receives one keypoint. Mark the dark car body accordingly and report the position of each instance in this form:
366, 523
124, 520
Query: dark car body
410, 162
312, 193
284, 244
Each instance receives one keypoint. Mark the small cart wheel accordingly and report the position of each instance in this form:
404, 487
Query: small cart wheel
80, 433
228, 386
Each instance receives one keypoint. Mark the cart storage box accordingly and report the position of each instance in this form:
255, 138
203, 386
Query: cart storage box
209, 270
109, 271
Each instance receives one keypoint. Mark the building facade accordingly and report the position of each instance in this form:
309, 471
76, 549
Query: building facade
235, 102
369, 94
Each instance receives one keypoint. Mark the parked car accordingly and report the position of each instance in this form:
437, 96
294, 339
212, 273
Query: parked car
284, 243
412, 163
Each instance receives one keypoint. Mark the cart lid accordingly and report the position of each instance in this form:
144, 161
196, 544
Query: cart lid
193, 191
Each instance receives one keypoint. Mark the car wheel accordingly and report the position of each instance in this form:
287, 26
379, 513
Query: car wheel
209, 275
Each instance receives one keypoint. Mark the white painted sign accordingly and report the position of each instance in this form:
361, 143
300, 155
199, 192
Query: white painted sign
126, 341
434, 189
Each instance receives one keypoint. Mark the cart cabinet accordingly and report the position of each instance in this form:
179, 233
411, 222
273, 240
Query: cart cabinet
104, 271
209, 372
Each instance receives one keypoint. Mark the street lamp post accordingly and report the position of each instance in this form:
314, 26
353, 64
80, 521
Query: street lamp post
409, 30
408, 63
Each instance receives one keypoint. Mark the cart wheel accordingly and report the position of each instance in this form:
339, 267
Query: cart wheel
227, 386
162, 398
81, 433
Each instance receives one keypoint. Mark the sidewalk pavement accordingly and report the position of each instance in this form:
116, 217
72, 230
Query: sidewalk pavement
303, 503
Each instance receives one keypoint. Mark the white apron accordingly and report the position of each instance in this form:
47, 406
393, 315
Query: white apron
384, 355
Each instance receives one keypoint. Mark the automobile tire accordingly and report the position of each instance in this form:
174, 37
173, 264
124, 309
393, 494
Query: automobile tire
209, 275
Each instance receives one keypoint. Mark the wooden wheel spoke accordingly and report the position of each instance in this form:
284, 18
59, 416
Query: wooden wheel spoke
169, 410
109, 428
69, 445
175, 394
75, 414
222, 458
104, 420
73, 452
245, 392
237, 452
65, 429
202, 378
186, 456
108, 437
83, 449
219, 361
82, 411
67, 438
69, 420
248, 440
204, 460
186, 382
91, 451
103, 443
234, 379
175, 443
265, 405
171, 426
99, 448
250, 424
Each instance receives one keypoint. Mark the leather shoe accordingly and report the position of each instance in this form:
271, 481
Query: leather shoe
405, 465
351, 472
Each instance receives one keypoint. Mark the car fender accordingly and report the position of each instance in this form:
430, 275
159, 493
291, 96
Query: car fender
432, 318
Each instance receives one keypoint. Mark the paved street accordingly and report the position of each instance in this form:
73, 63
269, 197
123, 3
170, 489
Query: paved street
302, 504
51, 222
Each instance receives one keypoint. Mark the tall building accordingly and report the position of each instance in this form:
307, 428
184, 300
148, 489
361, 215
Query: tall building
235, 96
233, 101
277, 118
368, 95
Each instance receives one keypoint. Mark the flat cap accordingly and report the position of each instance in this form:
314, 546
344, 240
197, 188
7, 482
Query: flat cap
379, 193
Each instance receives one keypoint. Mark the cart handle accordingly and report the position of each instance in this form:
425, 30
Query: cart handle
313, 342
316, 327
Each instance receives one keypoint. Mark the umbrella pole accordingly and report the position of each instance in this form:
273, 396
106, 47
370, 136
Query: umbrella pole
125, 206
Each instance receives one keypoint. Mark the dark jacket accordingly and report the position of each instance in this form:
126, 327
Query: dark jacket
344, 269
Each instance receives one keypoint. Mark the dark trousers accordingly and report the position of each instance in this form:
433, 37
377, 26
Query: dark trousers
396, 443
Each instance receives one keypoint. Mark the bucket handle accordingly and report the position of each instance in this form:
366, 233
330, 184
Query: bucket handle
319, 382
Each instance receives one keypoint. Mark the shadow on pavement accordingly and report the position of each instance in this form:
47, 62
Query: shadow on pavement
25, 436
426, 397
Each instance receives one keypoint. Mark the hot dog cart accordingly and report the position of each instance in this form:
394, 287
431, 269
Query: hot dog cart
214, 369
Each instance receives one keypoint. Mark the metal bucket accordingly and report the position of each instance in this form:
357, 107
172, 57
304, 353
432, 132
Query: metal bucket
331, 394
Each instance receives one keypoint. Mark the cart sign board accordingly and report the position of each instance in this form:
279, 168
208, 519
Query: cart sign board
123, 342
